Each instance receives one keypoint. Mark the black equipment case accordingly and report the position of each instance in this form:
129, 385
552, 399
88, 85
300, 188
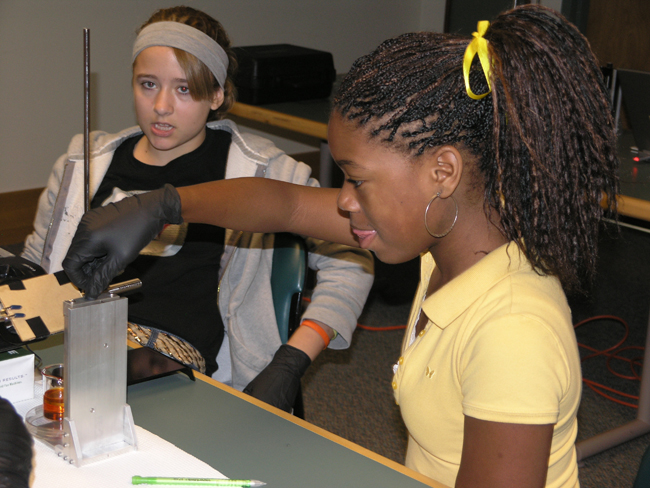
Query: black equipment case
277, 73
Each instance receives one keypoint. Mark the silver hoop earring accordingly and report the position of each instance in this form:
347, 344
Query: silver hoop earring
439, 236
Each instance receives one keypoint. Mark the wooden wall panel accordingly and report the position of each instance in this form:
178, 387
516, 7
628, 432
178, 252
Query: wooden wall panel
618, 31
17, 211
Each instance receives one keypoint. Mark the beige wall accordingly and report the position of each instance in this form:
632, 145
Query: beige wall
618, 32
41, 60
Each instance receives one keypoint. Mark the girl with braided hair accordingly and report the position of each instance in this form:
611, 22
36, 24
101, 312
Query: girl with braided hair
15, 449
487, 157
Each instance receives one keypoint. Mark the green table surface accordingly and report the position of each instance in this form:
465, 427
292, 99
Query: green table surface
243, 440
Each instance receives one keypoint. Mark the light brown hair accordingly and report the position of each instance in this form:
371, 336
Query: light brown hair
201, 81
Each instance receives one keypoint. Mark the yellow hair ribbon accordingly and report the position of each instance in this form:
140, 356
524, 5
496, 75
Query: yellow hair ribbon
479, 45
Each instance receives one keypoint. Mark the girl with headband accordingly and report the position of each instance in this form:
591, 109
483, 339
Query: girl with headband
206, 291
488, 157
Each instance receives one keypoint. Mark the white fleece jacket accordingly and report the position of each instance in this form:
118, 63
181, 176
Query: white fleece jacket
344, 274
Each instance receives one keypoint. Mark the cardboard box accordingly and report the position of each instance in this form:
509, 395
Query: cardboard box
17, 375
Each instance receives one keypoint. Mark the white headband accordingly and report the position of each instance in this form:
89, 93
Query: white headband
187, 38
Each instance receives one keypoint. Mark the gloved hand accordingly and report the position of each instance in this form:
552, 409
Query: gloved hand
15, 448
108, 238
278, 383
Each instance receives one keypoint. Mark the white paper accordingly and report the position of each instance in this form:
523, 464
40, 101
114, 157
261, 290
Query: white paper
154, 457
17, 377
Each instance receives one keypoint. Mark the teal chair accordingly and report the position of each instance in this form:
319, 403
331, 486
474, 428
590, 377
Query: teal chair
643, 475
288, 275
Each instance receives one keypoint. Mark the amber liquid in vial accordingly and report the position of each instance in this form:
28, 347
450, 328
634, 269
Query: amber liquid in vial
53, 404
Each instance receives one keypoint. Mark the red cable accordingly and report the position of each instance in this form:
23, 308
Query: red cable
381, 329
612, 353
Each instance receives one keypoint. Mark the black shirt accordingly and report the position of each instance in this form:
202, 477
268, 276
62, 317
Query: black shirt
179, 280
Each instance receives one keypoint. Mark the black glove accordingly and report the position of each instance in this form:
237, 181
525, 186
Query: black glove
278, 383
108, 238
15, 448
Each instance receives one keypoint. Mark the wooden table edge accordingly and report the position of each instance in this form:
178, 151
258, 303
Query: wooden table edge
315, 429
278, 119
633, 207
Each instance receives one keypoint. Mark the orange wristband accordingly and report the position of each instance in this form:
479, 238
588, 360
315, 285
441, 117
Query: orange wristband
314, 326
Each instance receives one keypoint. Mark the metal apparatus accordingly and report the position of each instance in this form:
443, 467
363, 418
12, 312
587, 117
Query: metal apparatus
86, 120
97, 422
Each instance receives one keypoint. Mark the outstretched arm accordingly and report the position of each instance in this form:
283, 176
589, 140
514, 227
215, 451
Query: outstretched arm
264, 205
110, 237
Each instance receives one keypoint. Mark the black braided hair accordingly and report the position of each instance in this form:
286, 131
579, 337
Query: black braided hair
544, 140
15, 448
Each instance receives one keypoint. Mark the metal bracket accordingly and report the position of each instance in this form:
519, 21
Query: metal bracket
98, 423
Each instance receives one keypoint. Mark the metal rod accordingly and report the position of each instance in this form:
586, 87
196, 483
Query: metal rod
86, 119
124, 286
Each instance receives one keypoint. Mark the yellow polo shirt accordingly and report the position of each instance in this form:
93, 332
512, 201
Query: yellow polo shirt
499, 346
